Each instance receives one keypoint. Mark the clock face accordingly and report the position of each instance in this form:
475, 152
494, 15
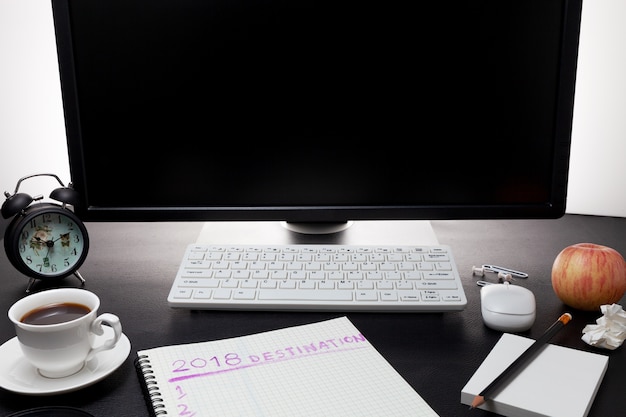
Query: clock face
51, 243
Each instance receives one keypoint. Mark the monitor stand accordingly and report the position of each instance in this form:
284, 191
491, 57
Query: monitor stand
317, 228
379, 232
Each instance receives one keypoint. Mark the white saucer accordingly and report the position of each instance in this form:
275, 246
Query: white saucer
18, 375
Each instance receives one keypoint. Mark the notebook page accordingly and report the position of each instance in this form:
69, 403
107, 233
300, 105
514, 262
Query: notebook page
325, 368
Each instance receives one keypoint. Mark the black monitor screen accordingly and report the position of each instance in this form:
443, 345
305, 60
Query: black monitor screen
318, 110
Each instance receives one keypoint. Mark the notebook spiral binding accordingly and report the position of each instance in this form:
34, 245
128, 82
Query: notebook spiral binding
150, 386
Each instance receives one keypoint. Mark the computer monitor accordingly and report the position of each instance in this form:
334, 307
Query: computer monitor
318, 111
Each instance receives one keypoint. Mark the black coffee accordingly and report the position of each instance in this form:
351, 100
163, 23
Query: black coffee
55, 313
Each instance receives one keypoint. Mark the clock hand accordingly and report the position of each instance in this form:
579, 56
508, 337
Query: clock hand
40, 241
66, 235
66, 239
50, 243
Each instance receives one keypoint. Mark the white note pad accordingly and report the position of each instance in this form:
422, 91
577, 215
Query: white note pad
321, 369
559, 382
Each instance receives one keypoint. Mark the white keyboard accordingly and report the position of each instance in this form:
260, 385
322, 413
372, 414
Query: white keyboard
318, 277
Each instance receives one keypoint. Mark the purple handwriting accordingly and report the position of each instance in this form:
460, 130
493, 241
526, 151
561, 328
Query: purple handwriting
202, 367
183, 408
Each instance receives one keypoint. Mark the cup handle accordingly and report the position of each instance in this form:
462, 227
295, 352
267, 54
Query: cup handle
96, 327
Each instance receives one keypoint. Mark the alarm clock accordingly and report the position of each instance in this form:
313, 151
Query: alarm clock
45, 241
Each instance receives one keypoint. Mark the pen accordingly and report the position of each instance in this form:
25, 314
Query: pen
502, 379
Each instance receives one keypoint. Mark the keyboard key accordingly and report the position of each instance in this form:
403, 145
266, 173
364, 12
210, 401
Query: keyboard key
309, 295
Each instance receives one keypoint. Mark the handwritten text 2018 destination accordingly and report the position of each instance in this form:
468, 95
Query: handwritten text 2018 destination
233, 361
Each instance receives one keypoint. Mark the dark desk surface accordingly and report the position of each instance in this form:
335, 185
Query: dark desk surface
132, 266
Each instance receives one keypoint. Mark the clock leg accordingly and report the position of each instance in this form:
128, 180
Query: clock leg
30, 285
32, 281
80, 278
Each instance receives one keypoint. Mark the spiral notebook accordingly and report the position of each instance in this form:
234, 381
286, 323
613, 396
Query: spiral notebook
326, 368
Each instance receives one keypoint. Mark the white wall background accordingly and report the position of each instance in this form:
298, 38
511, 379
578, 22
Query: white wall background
597, 183
32, 130
32, 133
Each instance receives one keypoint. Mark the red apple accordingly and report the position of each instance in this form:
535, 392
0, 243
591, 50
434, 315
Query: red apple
586, 276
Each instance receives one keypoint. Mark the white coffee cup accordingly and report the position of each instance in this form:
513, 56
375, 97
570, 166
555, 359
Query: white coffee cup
61, 349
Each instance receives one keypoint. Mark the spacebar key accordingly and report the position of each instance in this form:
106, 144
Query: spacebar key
309, 295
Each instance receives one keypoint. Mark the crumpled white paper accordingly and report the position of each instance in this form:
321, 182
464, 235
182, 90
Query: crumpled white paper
609, 331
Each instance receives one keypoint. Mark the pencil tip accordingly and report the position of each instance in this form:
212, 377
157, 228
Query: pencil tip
565, 318
477, 401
